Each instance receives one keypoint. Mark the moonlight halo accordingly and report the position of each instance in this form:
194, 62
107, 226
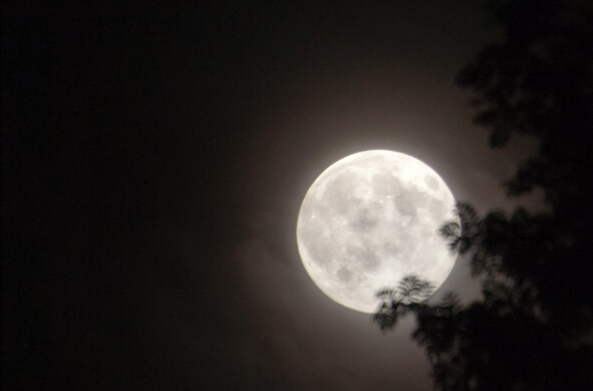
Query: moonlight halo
370, 219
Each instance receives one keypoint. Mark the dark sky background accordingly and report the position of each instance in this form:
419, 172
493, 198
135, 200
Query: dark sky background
154, 158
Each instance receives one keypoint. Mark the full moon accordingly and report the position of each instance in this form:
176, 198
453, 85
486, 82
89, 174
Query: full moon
369, 220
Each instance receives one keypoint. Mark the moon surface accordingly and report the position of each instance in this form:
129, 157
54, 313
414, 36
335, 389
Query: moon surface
369, 220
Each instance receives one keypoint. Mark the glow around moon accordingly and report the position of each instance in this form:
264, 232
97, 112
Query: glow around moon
369, 220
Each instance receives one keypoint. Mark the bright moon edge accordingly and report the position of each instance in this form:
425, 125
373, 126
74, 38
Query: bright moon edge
370, 219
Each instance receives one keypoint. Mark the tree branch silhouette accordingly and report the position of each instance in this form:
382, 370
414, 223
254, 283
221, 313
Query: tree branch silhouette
395, 303
533, 327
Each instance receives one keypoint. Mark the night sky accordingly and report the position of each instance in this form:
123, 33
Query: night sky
154, 158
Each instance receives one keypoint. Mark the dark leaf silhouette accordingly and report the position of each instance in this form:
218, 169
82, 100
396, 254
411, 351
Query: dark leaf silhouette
532, 328
413, 290
398, 302
462, 236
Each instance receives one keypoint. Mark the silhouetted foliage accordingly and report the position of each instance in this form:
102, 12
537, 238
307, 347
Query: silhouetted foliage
533, 327
462, 236
395, 303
